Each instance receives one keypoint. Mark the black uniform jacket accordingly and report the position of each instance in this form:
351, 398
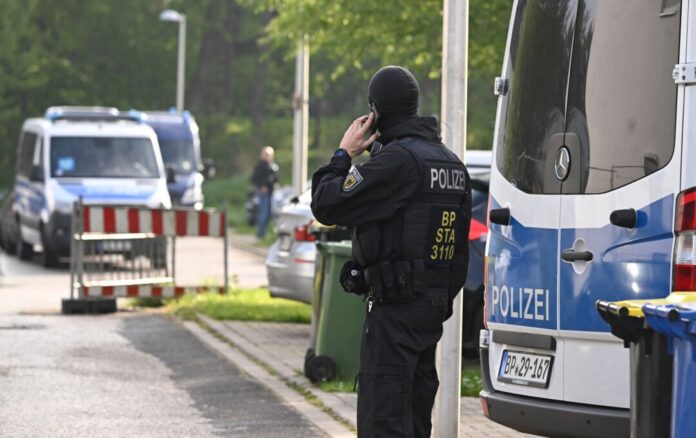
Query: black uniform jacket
377, 189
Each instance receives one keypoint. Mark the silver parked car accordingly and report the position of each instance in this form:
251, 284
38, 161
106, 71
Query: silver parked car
290, 261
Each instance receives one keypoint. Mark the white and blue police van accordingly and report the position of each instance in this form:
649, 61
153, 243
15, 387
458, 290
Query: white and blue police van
592, 196
96, 153
180, 144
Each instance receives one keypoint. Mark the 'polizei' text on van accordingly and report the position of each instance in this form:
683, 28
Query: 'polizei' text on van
521, 302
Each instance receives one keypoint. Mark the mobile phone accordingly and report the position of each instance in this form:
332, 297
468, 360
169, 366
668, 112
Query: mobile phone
375, 117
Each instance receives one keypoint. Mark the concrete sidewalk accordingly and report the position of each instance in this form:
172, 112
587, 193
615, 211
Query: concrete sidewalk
281, 347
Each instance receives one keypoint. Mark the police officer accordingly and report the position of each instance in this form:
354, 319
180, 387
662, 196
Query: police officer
410, 207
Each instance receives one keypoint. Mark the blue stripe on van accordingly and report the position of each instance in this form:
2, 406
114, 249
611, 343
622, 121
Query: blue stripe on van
27, 195
627, 264
140, 194
522, 268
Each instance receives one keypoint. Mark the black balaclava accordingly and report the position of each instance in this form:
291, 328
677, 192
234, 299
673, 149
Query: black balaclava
393, 91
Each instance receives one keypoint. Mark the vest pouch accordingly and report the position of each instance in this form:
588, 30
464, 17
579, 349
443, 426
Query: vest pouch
404, 280
387, 271
393, 282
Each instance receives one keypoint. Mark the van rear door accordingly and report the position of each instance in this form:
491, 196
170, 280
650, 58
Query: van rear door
523, 256
620, 139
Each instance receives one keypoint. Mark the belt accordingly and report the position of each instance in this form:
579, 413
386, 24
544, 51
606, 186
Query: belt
396, 281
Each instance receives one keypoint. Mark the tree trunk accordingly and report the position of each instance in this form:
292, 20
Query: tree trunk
198, 89
258, 96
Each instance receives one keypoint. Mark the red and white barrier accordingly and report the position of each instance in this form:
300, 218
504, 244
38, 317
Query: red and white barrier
126, 246
146, 291
160, 222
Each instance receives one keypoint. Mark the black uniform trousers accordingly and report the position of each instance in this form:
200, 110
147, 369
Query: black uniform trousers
397, 382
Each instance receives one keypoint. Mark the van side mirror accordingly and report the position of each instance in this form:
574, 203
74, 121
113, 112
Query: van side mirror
36, 174
170, 171
208, 170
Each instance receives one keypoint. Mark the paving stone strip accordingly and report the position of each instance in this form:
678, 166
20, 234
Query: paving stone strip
345, 410
281, 346
290, 396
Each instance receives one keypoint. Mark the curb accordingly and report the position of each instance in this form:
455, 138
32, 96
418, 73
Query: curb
322, 411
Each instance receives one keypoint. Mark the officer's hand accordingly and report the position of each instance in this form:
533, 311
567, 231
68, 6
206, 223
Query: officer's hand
354, 140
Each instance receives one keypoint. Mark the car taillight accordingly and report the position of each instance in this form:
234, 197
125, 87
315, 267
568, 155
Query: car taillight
477, 230
485, 290
302, 234
684, 272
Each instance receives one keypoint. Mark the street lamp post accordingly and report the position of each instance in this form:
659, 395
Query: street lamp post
177, 17
455, 34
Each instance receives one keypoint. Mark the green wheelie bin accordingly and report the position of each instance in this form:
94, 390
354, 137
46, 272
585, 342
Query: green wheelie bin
337, 319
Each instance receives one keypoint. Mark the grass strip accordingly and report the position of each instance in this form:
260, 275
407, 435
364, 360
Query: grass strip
470, 387
471, 381
337, 386
241, 305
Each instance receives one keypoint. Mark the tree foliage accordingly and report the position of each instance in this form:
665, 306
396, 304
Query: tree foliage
359, 33
240, 64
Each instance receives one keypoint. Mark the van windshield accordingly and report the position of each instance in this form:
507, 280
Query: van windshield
179, 153
102, 157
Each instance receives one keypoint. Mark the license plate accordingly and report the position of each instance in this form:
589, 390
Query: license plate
527, 369
114, 246
285, 243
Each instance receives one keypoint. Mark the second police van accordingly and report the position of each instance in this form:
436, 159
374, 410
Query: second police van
95, 153
177, 134
593, 195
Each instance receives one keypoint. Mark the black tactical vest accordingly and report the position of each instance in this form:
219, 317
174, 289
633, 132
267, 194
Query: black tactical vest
413, 251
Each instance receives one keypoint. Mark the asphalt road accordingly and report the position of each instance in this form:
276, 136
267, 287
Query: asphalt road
125, 374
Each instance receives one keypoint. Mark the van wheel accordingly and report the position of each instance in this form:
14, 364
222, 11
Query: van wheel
49, 258
24, 250
9, 245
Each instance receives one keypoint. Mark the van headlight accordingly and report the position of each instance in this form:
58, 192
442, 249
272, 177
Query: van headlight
64, 207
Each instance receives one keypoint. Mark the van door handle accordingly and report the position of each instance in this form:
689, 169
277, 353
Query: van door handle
570, 255
500, 216
627, 218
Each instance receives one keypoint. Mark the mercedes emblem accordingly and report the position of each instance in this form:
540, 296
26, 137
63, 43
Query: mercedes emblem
562, 166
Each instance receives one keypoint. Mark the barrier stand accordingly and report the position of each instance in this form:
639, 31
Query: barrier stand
127, 251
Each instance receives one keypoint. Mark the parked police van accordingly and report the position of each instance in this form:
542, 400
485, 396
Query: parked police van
95, 153
593, 195
177, 134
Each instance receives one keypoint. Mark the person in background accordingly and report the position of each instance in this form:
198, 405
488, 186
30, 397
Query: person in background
264, 177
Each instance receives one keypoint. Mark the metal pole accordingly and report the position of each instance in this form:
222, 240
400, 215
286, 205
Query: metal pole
225, 250
173, 257
80, 232
73, 247
181, 64
453, 108
301, 121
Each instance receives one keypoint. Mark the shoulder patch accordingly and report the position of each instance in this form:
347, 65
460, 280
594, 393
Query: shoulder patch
353, 179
